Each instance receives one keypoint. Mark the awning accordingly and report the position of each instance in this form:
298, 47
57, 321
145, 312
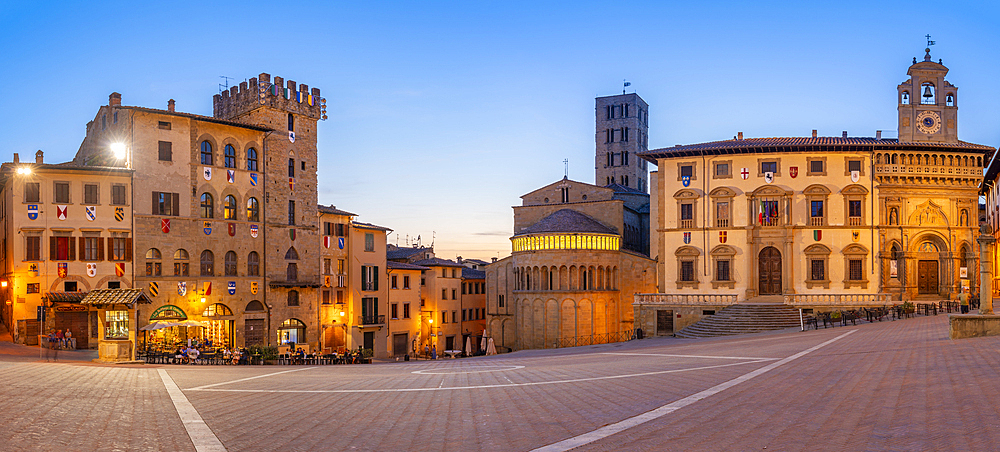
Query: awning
100, 297
65, 297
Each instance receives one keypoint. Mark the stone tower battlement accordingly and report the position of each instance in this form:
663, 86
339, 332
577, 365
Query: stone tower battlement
280, 94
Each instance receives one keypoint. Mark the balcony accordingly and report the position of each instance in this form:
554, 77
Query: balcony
816, 221
371, 320
855, 221
687, 224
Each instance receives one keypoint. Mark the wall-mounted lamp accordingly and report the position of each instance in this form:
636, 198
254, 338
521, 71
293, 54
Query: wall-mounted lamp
430, 321
342, 313
202, 299
3, 283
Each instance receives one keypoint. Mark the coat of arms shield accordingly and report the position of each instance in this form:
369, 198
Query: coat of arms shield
182, 288
253, 230
793, 171
91, 269
33, 211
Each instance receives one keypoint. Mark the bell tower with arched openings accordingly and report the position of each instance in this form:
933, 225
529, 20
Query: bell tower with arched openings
928, 104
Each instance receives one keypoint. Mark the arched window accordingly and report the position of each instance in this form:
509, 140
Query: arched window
207, 263
251, 159
207, 206
206, 153
254, 306
230, 156
215, 309
292, 272
153, 264
291, 123
230, 263
229, 207
928, 94
291, 330
905, 98
949, 100
291, 254
253, 209
253, 264
181, 262
293, 298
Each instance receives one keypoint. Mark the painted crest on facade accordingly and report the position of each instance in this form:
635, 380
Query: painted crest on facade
232, 229
154, 288
326, 241
291, 234
326, 281
817, 235
62, 269
855, 235
253, 230
769, 177
206, 288
61, 212
207, 227
340, 242
855, 176
232, 287
793, 171
253, 179
33, 211
291, 183
291, 136
253, 287
182, 288
687, 237
119, 269
119, 213
745, 173
165, 225
207, 172
91, 212
723, 236
686, 180
231, 176
91, 269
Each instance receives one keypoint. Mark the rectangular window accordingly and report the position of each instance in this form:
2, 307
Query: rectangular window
118, 195
370, 242
291, 167
816, 213
114, 284
687, 215
854, 212
166, 203
816, 166
769, 167
453, 294
62, 192
164, 125
687, 271
166, 151
326, 297
32, 288
61, 248
406, 310
92, 249
722, 169
116, 324
31, 192
854, 270
340, 266
687, 170
444, 294
854, 165
818, 268
327, 266
291, 212
394, 286
119, 249
444, 316
340, 297
181, 269
406, 281
153, 269
369, 277
722, 214
465, 316
33, 248
722, 270
454, 316
394, 309
90, 194
500, 301
340, 230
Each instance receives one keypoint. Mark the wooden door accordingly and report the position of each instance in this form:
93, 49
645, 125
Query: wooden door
399, 344
769, 271
927, 277
664, 322
75, 321
253, 332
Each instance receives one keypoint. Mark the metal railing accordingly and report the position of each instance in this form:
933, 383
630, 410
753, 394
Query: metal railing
685, 299
593, 339
371, 319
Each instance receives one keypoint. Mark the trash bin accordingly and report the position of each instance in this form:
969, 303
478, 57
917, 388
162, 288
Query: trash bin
406, 357
638, 333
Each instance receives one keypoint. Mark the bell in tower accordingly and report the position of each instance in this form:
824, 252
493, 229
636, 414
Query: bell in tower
929, 119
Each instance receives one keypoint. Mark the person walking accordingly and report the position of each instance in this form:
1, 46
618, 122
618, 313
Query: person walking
53, 346
963, 300
434, 352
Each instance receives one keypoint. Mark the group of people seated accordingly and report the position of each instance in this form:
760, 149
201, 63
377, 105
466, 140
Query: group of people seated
190, 355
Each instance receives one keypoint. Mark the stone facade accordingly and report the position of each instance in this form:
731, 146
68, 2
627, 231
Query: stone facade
621, 132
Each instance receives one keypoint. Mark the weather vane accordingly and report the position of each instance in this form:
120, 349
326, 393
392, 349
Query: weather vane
566, 168
929, 42
627, 84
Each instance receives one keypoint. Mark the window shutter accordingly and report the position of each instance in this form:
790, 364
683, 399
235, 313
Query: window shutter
375, 270
100, 248
128, 250
175, 204
156, 203
72, 248
52, 248
364, 271
83, 251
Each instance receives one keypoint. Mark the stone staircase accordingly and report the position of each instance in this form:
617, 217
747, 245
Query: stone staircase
743, 318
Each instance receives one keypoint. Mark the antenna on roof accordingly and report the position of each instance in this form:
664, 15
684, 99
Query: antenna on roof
433, 236
224, 86
565, 168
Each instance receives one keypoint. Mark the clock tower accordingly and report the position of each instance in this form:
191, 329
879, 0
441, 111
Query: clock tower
928, 104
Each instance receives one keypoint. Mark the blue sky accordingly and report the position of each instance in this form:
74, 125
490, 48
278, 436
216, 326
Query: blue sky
442, 114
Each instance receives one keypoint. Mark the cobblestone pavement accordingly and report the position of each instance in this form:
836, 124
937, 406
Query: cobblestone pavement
886, 386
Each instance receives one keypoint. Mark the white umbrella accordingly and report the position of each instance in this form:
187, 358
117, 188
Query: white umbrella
482, 344
190, 323
468, 346
491, 349
156, 326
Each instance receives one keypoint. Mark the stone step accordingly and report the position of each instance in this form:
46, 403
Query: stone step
744, 318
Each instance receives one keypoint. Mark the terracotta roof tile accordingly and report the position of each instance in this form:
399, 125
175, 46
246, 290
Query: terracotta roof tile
567, 220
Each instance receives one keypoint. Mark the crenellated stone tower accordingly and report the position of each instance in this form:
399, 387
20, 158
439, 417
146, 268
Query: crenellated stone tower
288, 168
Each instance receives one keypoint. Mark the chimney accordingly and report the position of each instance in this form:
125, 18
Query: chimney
17, 158
814, 133
115, 100
494, 259
845, 134
459, 259
38, 157
878, 134
739, 135
170, 105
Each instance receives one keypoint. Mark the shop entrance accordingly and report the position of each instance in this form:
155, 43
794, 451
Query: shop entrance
927, 277
253, 332
75, 321
399, 344
769, 264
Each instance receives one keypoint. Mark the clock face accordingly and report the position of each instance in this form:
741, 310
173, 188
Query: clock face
928, 122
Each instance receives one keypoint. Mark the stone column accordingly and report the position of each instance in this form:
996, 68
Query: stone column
986, 242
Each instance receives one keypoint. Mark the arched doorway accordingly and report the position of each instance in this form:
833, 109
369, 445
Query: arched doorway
927, 268
292, 331
769, 265
220, 325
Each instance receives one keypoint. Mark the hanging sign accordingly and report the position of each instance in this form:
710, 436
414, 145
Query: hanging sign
253, 287
855, 176
686, 180
154, 288
769, 177
119, 269
687, 237
722, 236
